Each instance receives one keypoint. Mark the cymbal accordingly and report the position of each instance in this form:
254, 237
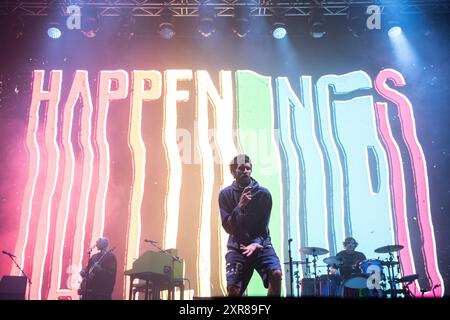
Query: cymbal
408, 278
298, 262
333, 260
388, 249
315, 251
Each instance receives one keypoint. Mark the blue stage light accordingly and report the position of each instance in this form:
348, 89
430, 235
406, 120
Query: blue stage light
54, 32
394, 31
279, 32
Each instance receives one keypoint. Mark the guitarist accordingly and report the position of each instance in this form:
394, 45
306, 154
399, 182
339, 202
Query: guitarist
99, 276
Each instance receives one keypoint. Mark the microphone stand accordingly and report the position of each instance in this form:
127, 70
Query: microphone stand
174, 258
391, 276
23, 272
291, 276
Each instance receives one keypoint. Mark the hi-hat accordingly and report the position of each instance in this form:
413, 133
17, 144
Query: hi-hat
388, 249
315, 251
333, 260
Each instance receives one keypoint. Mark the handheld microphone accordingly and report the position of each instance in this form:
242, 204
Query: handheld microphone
9, 254
151, 241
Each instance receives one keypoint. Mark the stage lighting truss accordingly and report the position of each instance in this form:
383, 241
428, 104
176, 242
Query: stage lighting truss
223, 8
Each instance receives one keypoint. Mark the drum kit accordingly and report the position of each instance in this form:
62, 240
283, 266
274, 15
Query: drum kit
367, 274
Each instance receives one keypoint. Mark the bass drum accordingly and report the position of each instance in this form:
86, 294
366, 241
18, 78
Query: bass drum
356, 281
361, 280
307, 287
330, 285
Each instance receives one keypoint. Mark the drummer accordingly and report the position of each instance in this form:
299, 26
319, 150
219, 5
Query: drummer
350, 259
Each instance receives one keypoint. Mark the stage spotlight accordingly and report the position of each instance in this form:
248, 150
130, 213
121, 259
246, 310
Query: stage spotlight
241, 21
90, 22
53, 27
166, 30
126, 26
317, 23
206, 16
356, 20
166, 27
54, 30
393, 21
16, 24
279, 30
394, 31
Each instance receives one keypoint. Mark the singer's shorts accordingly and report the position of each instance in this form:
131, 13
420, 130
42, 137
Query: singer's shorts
239, 268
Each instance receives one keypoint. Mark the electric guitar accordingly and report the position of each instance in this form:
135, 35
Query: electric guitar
91, 273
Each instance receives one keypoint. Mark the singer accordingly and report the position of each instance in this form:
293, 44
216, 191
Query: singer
245, 209
99, 276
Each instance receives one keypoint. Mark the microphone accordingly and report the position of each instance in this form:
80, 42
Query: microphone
91, 248
9, 254
290, 240
151, 241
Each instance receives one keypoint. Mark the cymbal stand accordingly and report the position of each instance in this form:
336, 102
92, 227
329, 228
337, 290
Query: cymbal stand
297, 280
291, 277
391, 276
328, 280
308, 269
315, 274
424, 290
407, 292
